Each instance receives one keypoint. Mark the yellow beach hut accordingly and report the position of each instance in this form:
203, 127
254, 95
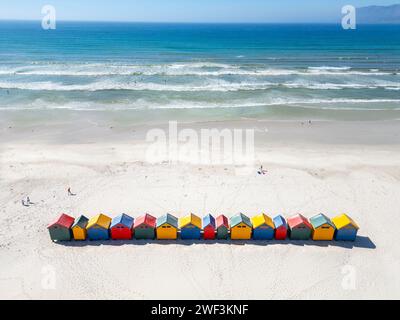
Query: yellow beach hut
167, 227
263, 227
241, 227
79, 228
346, 228
98, 227
190, 226
322, 227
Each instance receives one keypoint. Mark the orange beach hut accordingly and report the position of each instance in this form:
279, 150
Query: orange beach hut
241, 227
323, 228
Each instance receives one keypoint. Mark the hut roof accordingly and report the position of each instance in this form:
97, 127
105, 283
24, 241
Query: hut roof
297, 220
319, 220
343, 221
190, 219
63, 220
147, 220
167, 219
222, 220
100, 220
82, 222
208, 220
262, 219
280, 221
123, 219
239, 218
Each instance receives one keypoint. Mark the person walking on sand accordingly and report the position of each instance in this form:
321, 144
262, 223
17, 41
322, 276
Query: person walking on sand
262, 171
70, 192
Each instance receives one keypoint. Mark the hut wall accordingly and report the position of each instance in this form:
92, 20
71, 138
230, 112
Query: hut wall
58, 233
145, 233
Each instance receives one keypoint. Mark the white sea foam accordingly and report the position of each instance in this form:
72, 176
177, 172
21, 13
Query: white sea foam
209, 85
177, 69
326, 104
329, 68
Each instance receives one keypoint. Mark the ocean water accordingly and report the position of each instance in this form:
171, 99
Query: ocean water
271, 70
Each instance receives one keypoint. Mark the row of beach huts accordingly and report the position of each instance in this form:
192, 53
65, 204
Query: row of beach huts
192, 227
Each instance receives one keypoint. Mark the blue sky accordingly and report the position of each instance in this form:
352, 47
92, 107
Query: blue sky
185, 10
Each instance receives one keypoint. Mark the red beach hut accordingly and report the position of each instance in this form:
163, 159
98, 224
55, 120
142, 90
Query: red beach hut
121, 227
209, 227
281, 228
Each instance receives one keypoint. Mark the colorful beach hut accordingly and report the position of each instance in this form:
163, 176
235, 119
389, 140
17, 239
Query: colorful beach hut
281, 227
263, 227
322, 227
79, 228
60, 230
167, 227
222, 226
209, 227
121, 227
299, 227
98, 227
190, 226
241, 227
145, 227
346, 228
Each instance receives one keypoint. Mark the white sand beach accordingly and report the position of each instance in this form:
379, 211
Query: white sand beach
330, 167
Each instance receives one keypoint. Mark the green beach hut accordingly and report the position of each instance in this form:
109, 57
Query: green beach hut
60, 230
300, 228
145, 227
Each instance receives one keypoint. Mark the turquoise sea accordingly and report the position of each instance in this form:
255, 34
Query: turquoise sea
233, 70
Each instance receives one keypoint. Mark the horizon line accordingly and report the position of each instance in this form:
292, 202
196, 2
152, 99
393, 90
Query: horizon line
177, 22
199, 22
